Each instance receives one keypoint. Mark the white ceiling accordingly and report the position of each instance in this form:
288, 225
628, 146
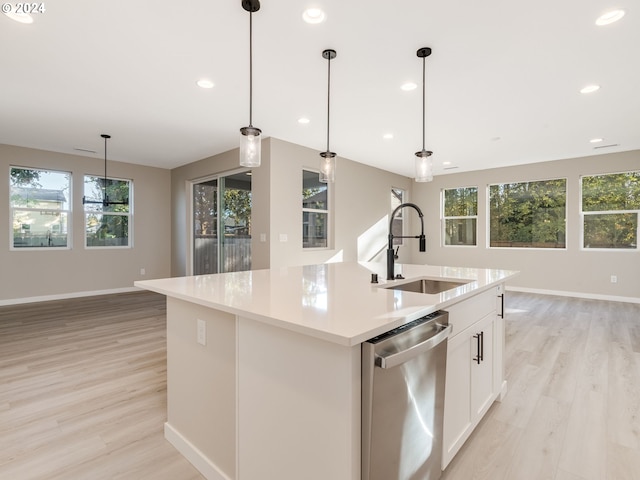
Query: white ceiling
502, 83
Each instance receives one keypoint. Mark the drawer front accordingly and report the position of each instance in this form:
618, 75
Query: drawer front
468, 312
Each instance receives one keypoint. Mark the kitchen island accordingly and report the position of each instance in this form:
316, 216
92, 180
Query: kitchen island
264, 367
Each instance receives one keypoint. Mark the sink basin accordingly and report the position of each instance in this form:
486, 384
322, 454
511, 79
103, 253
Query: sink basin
427, 285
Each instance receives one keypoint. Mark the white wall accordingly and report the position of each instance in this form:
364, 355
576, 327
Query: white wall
33, 274
360, 224
572, 270
227, 162
361, 196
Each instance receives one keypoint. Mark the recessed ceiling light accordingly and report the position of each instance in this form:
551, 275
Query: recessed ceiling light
596, 140
205, 83
303, 120
610, 17
18, 17
590, 89
407, 87
313, 15
388, 136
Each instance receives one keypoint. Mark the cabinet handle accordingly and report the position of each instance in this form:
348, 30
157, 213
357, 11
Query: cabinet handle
478, 358
501, 314
482, 346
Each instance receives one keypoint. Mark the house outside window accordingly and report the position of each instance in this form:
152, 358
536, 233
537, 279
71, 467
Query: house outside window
610, 210
528, 214
315, 211
107, 224
398, 196
460, 216
40, 208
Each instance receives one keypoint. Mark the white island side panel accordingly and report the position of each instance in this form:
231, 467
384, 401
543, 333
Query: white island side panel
299, 406
201, 388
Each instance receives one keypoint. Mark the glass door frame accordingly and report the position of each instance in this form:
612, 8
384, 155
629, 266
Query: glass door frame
220, 182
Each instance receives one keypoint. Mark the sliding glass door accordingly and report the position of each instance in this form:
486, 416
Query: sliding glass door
221, 224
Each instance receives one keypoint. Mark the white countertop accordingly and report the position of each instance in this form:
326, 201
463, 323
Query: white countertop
335, 301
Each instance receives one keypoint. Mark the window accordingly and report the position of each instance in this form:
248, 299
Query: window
397, 227
315, 211
610, 208
107, 224
528, 214
460, 215
40, 207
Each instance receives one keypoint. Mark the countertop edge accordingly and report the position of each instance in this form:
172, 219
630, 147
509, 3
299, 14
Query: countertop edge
350, 340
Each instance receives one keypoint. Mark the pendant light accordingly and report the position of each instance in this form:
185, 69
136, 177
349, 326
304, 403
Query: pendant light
250, 144
105, 202
328, 162
424, 164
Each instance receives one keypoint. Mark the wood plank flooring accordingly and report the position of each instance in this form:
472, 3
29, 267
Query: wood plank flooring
572, 411
83, 393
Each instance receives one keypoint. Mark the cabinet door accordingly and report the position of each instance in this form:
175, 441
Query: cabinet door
457, 411
482, 376
469, 388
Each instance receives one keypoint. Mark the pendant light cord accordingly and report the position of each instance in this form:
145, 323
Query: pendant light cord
328, 97
251, 69
424, 108
105, 165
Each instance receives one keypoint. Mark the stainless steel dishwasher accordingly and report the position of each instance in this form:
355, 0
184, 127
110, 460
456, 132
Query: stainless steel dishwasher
403, 374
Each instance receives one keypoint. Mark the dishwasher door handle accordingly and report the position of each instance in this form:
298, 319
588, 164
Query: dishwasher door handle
395, 359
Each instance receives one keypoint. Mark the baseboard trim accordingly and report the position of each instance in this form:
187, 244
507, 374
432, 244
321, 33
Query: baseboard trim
195, 457
560, 293
66, 296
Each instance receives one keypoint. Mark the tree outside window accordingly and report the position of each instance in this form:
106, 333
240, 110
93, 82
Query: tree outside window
107, 224
460, 215
40, 208
315, 211
610, 209
528, 214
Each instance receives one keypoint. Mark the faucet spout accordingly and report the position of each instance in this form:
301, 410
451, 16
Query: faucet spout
422, 239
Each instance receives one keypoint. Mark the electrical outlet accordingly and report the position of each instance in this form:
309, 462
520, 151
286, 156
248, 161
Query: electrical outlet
201, 336
614, 279
143, 271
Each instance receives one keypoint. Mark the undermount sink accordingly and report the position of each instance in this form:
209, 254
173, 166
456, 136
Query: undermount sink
427, 285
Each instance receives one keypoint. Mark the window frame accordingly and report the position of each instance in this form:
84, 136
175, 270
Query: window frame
128, 214
399, 218
68, 212
584, 214
326, 211
444, 218
545, 249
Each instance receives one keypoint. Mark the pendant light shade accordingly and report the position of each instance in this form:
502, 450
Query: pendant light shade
424, 166
250, 142
250, 147
424, 163
328, 167
328, 162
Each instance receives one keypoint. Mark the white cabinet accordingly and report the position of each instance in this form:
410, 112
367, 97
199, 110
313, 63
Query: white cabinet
474, 368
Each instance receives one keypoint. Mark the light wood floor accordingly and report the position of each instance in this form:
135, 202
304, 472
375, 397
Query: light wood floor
83, 393
572, 411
